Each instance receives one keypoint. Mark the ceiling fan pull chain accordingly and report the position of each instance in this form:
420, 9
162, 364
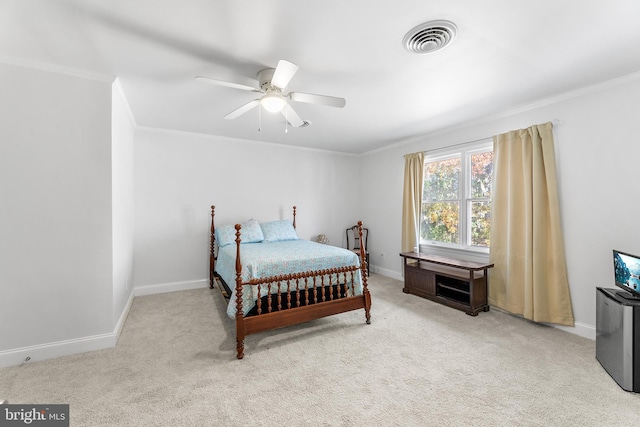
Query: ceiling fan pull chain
259, 118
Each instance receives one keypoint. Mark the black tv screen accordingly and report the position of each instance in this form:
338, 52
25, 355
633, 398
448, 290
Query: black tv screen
627, 272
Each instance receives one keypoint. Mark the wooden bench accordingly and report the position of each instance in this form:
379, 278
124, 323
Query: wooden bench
456, 283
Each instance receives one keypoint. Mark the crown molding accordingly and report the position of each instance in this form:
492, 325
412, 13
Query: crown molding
153, 129
42, 66
565, 96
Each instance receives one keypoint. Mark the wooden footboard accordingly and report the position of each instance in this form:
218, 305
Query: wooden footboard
296, 298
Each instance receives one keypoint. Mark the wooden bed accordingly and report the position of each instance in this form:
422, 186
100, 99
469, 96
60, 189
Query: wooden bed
288, 298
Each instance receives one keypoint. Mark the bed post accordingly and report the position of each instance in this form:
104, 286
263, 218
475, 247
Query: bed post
363, 273
212, 255
294, 217
239, 313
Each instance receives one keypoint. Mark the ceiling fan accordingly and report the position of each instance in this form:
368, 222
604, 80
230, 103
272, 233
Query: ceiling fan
272, 83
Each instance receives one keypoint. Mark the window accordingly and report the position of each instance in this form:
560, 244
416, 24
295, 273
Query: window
456, 197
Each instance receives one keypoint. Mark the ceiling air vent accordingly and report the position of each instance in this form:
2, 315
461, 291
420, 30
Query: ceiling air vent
430, 36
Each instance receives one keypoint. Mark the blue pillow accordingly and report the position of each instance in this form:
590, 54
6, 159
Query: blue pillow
249, 233
225, 235
275, 231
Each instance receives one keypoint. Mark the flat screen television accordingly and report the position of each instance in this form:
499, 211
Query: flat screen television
626, 268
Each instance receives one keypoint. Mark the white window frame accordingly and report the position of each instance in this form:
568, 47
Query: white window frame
464, 151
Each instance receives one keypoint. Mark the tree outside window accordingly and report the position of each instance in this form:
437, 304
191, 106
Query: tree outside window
456, 198
480, 200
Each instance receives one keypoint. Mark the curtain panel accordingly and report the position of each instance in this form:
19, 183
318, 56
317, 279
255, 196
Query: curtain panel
527, 247
412, 200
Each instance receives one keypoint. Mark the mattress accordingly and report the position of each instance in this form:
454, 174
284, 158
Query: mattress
266, 259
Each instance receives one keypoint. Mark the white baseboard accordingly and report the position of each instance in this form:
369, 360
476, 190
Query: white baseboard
581, 329
386, 272
18, 356
170, 287
34, 353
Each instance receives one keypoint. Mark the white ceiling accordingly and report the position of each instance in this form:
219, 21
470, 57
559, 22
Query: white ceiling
507, 54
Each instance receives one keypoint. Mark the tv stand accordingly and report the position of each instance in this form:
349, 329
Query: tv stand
452, 282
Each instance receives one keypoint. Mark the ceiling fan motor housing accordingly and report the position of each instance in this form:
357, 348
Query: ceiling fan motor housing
264, 79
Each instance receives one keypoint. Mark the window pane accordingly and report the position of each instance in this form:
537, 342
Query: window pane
440, 222
441, 179
480, 222
481, 170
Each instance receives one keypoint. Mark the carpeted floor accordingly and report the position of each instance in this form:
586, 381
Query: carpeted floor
417, 364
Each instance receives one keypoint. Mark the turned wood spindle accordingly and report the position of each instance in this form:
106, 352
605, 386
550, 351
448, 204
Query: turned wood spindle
212, 249
294, 217
239, 312
279, 296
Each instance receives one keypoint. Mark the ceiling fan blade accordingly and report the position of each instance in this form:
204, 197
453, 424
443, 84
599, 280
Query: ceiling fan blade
227, 84
283, 74
292, 117
240, 111
310, 98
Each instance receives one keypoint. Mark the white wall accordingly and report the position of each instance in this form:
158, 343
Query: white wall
55, 210
178, 176
597, 160
122, 195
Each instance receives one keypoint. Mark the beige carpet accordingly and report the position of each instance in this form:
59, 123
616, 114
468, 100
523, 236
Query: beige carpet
417, 364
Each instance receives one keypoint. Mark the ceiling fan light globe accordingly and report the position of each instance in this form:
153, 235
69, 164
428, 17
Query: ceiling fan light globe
273, 102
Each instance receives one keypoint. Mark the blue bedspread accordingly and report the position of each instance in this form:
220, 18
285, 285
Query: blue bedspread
261, 260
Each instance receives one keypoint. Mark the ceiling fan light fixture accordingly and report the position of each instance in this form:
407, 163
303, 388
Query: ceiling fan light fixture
273, 102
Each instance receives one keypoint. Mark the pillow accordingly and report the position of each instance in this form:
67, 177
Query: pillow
275, 231
225, 235
249, 233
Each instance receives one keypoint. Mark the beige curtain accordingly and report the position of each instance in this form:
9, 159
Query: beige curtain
527, 248
412, 199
